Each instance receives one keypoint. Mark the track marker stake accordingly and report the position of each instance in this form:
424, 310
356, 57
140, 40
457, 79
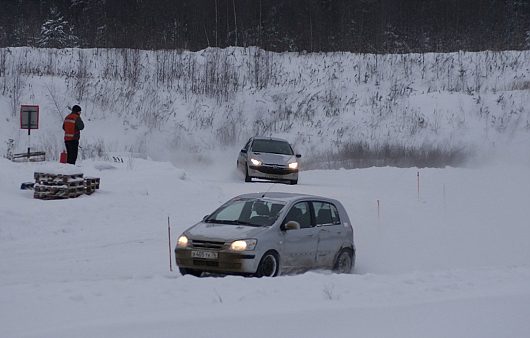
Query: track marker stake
169, 241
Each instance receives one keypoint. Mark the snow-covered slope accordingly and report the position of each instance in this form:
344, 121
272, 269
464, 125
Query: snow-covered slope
158, 103
452, 261
447, 260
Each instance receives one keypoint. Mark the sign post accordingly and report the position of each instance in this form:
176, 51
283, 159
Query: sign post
29, 119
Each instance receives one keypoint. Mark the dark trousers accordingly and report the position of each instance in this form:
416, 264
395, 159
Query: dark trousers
71, 151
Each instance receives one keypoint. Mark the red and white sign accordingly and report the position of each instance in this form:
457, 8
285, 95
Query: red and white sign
29, 117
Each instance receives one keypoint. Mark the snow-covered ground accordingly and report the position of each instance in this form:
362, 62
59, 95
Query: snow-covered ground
451, 261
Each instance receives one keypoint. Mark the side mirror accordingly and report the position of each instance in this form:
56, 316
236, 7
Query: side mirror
291, 225
205, 217
244, 151
298, 155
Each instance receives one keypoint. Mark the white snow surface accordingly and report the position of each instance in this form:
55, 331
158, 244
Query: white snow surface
451, 261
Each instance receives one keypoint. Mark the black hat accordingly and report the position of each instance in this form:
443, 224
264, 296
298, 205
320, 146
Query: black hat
76, 109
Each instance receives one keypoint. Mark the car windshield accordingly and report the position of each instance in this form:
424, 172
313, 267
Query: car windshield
251, 212
272, 146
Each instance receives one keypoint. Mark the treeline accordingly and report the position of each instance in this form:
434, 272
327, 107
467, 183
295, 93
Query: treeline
373, 26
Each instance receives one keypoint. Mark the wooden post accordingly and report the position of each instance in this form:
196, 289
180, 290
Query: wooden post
29, 133
169, 241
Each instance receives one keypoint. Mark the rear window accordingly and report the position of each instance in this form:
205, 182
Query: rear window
326, 213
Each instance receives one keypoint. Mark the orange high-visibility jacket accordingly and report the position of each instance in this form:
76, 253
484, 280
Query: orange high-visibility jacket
72, 125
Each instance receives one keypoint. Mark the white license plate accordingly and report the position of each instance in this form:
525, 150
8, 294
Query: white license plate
204, 254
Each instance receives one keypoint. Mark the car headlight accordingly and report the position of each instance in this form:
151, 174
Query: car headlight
255, 162
182, 242
243, 245
293, 165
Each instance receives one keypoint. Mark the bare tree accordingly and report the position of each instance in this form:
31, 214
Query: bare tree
235, 20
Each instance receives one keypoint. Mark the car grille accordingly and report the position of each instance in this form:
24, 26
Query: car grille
273, 169
198, 262
207, 244
216, 264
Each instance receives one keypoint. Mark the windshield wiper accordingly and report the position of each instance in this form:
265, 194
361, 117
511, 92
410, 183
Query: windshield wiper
277, 153
225, 221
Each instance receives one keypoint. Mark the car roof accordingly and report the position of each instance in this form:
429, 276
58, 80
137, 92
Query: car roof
269, 138
284, 196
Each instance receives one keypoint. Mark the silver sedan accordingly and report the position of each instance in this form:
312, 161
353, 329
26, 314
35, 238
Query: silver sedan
269, 234
269, 158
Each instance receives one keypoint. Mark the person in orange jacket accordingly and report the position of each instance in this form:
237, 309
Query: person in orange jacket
72, 126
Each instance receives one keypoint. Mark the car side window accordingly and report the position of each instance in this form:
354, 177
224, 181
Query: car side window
300, 213
326, 213
248, 144
251, 144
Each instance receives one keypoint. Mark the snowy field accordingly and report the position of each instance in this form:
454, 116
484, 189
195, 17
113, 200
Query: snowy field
451, 261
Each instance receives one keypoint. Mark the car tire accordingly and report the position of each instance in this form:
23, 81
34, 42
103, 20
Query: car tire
247, 178
345, 261
269, 265
184, 271
293, 182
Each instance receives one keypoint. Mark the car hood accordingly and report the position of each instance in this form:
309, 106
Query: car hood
223, 232
268, 158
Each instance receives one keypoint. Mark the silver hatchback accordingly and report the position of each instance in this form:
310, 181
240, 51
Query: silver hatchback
269, 234
269, 158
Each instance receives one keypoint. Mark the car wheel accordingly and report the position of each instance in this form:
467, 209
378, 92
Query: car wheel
344, 262
269, 265
184, 271
247, 178
293, 182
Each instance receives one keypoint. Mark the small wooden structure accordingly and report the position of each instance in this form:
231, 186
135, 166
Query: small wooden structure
59, 186
32, 156
91, 184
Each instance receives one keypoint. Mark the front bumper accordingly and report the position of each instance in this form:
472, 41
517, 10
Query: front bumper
273, 172
226, 262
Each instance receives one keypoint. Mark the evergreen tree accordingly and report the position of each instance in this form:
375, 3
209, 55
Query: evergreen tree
56, 32
373, 26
